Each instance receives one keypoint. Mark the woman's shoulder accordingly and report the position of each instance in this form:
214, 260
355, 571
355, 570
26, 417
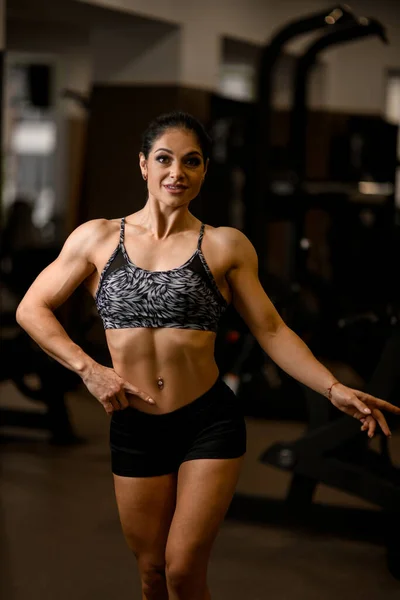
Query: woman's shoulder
91, 233
228, 236
231, 244
96, 228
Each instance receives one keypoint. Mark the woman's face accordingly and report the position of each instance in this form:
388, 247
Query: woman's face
175, 168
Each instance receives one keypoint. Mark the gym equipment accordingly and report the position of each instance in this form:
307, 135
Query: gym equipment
38, 377
334, 451
261, 200
271, 52
259, 184
50, 382
347, 32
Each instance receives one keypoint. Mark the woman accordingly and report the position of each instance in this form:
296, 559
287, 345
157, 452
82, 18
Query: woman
161, 281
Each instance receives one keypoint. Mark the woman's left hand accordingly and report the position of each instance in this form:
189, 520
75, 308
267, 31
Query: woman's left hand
364, 407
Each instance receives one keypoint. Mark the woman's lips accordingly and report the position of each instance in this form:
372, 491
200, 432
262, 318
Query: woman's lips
175, 189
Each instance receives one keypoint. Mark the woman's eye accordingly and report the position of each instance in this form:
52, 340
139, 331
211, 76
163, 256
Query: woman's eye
193, 162
190, 162
162, 159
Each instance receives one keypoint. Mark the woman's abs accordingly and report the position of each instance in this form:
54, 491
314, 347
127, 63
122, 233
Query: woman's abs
173, 366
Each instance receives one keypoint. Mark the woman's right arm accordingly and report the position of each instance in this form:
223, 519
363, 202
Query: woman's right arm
53, 286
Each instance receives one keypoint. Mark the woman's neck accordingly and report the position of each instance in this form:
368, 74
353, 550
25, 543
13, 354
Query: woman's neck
162, 222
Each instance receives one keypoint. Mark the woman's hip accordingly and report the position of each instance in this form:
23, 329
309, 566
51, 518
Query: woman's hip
210, 426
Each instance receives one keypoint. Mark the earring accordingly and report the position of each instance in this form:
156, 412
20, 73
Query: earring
144, 177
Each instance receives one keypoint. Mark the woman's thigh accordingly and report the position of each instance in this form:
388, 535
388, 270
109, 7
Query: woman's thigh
146, 506
204, 492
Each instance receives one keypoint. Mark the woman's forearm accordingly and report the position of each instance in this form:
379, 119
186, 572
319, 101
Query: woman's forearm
45, 329
294, 357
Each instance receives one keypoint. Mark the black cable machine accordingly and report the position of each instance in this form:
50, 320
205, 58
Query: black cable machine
333, 451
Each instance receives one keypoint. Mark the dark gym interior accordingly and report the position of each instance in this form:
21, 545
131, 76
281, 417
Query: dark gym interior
302, 100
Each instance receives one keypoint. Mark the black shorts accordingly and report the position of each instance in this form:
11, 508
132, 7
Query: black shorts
146, 445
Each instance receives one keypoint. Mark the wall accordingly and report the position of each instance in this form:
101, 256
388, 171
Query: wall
131, 68
65, 46
142, 54
355, 73
2, 24
2, 45
239, 79
180, 45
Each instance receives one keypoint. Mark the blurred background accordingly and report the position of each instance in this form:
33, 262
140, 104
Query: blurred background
302, 100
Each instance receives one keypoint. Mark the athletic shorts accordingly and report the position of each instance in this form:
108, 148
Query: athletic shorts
147, 445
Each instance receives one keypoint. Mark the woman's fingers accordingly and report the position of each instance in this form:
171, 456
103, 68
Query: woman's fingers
366, 423
123, 402
362, 408
383, 405
363, 415
108, 407
369, 423
371, 427
114, 403
131, 389
111, 404
377, 405
374, 402
110, 389
119, 400
365, 408
378, 416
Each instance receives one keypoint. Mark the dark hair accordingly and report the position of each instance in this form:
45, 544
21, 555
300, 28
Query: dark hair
176, 120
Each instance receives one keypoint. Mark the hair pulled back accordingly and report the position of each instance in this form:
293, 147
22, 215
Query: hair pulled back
175, 120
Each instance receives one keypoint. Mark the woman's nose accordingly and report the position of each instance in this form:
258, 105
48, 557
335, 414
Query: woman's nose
176, 171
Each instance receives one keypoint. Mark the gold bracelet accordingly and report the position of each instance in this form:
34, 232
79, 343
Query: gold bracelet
330, 390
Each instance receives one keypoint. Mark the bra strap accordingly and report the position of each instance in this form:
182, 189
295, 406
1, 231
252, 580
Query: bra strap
201, 236
122, 231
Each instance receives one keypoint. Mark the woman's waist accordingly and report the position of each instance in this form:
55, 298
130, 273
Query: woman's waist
171, 384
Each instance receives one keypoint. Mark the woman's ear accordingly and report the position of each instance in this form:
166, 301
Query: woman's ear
143, 165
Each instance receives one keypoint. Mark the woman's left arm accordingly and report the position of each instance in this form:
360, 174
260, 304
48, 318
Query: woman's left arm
285, 347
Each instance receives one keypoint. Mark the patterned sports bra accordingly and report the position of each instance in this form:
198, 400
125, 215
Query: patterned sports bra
186, 297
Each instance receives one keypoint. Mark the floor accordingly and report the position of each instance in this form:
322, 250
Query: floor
60, 536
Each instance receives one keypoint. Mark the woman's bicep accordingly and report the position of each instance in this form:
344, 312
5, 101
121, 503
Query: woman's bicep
53, 286
248, 296
253, 304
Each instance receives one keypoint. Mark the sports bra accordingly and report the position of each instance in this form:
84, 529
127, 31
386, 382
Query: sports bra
186, 297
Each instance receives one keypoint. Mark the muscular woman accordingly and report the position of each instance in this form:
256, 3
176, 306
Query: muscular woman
161, 280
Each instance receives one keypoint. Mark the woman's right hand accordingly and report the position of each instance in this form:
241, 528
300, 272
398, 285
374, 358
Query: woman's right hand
109, 388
